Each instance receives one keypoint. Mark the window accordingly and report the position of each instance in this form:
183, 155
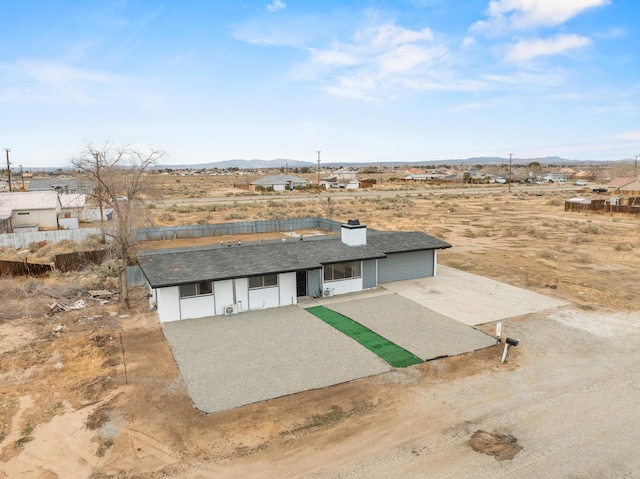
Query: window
196, 289
346, 270
263, 281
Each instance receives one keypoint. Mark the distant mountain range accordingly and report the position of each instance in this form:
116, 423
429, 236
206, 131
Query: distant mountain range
288, 163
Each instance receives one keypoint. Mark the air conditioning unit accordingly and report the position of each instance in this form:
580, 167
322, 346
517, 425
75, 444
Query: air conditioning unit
231, 309
327, 293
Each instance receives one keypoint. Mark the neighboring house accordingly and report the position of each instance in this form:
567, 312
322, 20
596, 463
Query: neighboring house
555, 178
72, 211
61, 185
423, 176
335, 182
280, 182
21, 211
628, 186
367, 182
230, 278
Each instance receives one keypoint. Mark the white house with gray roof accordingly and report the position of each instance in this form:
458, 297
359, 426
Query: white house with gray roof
234, 277
280, 182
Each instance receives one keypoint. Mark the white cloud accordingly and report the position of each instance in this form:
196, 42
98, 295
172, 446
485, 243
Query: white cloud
524, 14
468, 42
51, 82
377, 59
276, 5
528, 49
629, 135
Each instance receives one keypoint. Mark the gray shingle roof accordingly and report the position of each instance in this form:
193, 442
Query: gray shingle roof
279, 180
172, 267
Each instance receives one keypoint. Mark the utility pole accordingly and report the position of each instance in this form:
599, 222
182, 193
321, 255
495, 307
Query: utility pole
635, 167
96, 155
8, 169
510, 164
22, 176
318, 185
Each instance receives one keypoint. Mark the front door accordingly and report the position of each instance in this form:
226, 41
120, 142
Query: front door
301, 283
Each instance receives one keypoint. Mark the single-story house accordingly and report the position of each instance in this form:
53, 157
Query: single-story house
280, 182
61, 185
72, 210
628, 186
336, 182
230, 278
26, 211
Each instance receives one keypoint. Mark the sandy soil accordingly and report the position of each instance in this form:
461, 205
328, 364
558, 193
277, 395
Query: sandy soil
566, 396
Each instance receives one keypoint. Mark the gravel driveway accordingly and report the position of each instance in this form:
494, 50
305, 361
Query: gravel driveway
231, 361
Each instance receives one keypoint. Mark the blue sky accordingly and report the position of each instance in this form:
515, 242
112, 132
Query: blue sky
364, 81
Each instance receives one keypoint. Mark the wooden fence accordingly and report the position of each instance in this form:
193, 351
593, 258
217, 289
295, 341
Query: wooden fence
21, 268
632, 206
64, 262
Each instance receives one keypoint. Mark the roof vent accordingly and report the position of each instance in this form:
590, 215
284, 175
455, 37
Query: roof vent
353, 222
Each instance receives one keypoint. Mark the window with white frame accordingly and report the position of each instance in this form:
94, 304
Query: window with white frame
263, 281
196, 289
346, 270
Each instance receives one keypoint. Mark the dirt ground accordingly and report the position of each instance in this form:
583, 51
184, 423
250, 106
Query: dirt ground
94, 392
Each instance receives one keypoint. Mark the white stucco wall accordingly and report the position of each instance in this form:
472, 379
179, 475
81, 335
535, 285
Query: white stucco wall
42, 218
223, 291
264, 298
197, 306
344, 286
288, 291
168, 301
69, 223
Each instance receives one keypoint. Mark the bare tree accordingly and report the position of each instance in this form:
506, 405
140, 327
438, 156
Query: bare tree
120, 184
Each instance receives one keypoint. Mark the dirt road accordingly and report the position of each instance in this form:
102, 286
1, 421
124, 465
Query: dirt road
569, 396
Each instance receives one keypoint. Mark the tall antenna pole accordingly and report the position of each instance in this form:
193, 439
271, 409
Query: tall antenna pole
22, 176
318, 185
635, 167
8, 169
510, 164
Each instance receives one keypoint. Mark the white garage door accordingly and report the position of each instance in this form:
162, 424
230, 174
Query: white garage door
399, 266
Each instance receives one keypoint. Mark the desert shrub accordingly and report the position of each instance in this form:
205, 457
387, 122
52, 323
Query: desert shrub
538, 233
546, 254
91, 242
623, 247
167, 217
578, 239
554, 202
47, 251
583, 257
469, 233
151, 206
235, 216
486, 207
591, 229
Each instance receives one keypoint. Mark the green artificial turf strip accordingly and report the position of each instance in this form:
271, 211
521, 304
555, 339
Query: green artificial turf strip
390, 352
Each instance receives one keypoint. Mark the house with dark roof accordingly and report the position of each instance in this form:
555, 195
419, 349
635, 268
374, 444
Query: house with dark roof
234, 277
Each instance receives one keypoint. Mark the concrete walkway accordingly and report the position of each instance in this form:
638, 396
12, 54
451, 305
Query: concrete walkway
471, 299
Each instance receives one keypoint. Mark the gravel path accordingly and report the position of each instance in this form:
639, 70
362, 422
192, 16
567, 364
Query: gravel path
230, 361
424, 332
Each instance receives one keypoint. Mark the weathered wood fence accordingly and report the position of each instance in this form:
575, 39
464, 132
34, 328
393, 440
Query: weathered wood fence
632, 206
64, 262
